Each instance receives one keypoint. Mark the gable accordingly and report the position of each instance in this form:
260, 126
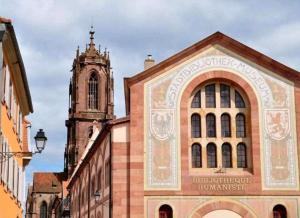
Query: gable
216, 39
162, 96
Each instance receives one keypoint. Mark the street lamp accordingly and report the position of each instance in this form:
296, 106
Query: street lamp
97, 196
40, 140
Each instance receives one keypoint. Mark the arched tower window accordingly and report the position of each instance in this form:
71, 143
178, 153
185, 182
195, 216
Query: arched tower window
211, 155
210, 125
196, 126
240, 125
226, 155
165, 211
225, 125
196, 156
43, 210
279, 211
241, 155
93, 92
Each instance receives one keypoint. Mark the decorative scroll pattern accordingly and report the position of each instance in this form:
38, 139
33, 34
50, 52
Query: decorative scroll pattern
162, 122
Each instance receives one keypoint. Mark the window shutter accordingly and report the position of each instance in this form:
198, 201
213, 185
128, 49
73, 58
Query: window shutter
7, 79
16, 178
10, 174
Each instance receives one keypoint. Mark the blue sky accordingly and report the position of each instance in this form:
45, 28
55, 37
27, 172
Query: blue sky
49, 31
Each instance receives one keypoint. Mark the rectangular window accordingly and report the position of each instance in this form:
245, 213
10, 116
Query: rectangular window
4, 82
10, 94
13, 176
7, 168
20, 125
18, 182
4, 170
7, 82
11, 173
3, 174
20, 188
225, 96
210, 96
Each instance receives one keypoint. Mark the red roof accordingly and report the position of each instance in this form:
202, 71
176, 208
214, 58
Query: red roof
5, 20
47, 182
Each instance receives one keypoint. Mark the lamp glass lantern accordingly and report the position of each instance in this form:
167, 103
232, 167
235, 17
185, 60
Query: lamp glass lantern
97, 196
40, 140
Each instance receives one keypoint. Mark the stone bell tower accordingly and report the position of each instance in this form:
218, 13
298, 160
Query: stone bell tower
90, 99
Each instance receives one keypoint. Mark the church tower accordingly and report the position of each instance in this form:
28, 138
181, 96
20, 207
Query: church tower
90, 99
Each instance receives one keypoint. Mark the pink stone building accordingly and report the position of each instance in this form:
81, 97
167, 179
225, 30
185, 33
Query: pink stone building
212, 131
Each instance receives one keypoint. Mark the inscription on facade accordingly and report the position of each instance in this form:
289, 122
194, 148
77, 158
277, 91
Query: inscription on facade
221, 183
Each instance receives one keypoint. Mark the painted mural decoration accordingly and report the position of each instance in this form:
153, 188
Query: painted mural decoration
162, 121
277, 123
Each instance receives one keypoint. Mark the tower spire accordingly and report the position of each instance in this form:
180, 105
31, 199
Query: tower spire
92, 32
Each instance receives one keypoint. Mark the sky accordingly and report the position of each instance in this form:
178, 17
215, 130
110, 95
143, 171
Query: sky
49, 31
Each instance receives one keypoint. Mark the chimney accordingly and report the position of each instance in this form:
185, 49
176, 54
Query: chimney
149, 62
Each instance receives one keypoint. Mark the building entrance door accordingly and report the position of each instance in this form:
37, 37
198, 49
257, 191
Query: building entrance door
222, 214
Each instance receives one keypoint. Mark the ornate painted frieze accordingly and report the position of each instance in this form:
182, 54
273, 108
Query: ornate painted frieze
162, 121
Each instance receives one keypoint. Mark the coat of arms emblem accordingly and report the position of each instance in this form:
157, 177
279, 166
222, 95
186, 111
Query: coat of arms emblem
162, 123
277, 123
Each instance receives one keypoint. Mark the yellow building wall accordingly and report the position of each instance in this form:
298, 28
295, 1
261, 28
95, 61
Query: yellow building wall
9, 206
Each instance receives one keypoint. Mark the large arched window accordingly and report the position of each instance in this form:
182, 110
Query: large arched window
241, 155
196, 103
279, 211
225, 125
226, 155
196, 126
219, 125
43, 210
210, 125
211, 155
196, 156
93, 92
240, 125
165, 211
